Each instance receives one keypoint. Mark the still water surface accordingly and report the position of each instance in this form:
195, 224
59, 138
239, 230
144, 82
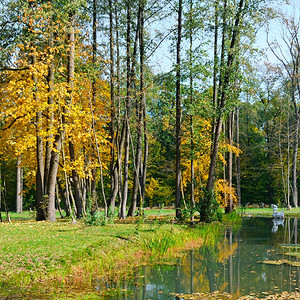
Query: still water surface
233, 266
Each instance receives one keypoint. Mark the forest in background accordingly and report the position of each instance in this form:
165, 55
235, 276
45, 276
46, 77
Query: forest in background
88, 122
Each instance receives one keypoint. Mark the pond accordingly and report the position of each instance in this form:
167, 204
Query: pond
235, 266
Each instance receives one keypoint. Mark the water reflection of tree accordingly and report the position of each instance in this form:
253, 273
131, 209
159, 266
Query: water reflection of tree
291, 231
229, 267
211, 267
291, 237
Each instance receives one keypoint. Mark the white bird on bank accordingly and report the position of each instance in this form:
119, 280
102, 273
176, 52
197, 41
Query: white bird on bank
277, 214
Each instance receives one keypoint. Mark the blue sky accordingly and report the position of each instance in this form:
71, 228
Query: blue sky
162, 59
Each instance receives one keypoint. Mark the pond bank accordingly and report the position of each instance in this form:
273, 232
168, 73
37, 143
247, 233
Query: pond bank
58, 260
55, 259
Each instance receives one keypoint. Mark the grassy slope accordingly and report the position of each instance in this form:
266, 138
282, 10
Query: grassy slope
40, 258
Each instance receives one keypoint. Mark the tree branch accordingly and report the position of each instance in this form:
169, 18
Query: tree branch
13, 69
11, 124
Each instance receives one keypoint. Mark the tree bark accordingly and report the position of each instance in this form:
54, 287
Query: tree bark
215, 74
71, 69
19, 196
113, 171
3, 190
144, 111
238, 158
191, 113
64, 198
42, 201
230, 122
139, 106
50, 81
52, 156
178, 113
127, 109
294, 163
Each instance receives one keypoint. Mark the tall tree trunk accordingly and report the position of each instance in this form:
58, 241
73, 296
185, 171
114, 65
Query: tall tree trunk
127, 108
126, 169
294, 163
113, 170
69, 195
230, 123
53, 176
120, 136
50, 82
191, 113
238, 158
215, 74
93, 192
223, 87
288, 156
42, 201
144, 111
52, 156
217, 124
139, 106
19, 196
3, 190
63, 196
145, 158
178, 113
71, 68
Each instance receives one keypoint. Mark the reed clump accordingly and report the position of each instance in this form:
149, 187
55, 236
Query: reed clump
162, 243
233, 218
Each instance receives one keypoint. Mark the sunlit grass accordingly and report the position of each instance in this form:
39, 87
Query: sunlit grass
244, 211
44, 257
233, 218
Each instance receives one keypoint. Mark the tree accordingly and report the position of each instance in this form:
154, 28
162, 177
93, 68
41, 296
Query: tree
290, 63
178, 112
224, 83
54, 104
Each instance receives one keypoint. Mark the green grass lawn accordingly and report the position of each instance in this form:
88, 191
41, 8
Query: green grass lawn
30, 215
63, 258
267, 211
168, 211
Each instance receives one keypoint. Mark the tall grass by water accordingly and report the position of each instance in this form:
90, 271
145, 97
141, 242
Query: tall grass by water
62, 257
39, 258
162, 243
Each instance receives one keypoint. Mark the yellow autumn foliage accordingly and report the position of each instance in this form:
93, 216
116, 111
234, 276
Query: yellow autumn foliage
25, 93
201, 155
224, 192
